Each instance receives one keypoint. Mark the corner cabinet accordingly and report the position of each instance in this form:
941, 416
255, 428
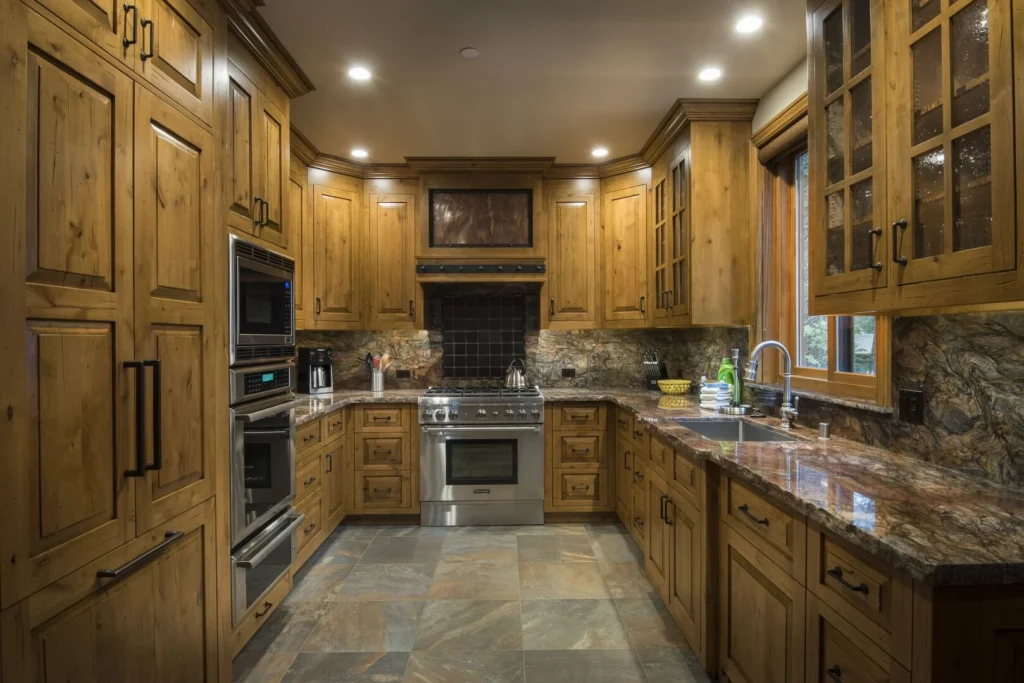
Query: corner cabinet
913, 155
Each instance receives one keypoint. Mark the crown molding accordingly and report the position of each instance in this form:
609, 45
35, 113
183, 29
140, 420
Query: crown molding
572, 171
390, 171
634, 162
260, 40
780, 122
303, 148
684, 111
480, 164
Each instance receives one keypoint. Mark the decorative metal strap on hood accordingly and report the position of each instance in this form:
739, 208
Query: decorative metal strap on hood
486, 269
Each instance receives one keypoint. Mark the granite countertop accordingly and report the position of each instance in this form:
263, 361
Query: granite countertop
935, 523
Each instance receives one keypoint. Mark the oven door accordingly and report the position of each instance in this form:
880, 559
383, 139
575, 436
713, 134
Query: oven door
479, 464
257, 565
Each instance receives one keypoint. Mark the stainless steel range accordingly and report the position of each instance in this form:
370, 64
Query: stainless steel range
481, 456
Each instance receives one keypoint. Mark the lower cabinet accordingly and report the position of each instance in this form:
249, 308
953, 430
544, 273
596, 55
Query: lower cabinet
623, 479
687, 574
576, 472
657, 559
143, 612
334, 472
837, 651
385, 461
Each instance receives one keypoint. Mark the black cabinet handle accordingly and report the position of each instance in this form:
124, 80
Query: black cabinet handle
668, 518
266, 610
638, 475
580, 488
330, 463
643, 304
584, 451
143, 55
309, 481
258, 219
158, 453
873, 232
551, 307
265, 213
309, 529
835, 674
625, 461
135, 26
901, 224
661, 511
412, 308
746, 510
140, 418
145, 558
387, 490
837, 574
318, 305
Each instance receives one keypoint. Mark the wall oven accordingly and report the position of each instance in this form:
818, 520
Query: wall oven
257, 565
262, 314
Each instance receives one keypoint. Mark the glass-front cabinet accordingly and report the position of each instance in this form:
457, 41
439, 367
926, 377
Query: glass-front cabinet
913, 156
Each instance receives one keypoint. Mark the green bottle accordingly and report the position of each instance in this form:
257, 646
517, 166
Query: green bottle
727, 373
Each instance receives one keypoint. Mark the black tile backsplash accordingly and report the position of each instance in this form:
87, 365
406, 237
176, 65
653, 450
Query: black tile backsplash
482, 335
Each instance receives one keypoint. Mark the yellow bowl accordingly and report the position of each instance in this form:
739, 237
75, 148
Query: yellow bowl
674, 386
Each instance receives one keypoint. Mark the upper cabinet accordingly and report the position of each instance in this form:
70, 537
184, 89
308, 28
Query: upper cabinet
299, 230
391, 281
912, 186
572, 297
624, 224
337, 263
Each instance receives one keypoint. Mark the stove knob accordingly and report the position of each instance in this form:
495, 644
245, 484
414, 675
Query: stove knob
522, 414
427, 414
535, 413
495, 413
481, 413
439, 414
453, 415
510, 413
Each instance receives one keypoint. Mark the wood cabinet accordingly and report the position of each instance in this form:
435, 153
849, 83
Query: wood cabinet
624, 229
335, 460
572, 288
337, 265
690, 562
297, 226
835, 649
623, 478
391, 276
385, 461
657, 558
912, 185
670, 245
576, 472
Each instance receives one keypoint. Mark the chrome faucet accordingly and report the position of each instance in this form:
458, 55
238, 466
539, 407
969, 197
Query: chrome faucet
789, 402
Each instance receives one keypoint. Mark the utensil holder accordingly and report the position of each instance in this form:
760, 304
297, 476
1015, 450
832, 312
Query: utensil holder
377, 382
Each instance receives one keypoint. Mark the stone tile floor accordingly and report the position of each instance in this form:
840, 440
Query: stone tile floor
561, 603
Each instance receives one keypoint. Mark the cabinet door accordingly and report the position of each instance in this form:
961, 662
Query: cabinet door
623, 477
334, 467
848, 238
393, 259
679, 237
686, 586
659, 538
175, 54
572, 283
177, 255
158, 623
297, 227
659, 248
113, 25
243, 200
272, 152
337, 280
69, 443
762, 616
953, 169
625, 257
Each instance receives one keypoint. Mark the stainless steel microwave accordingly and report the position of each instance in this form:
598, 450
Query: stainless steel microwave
262, 315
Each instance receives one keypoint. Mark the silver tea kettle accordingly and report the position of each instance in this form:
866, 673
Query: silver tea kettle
515, 378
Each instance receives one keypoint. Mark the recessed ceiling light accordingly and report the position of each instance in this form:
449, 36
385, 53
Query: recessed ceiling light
360, 153
749, 23
359, 73
470, 52
599, 152
709, 74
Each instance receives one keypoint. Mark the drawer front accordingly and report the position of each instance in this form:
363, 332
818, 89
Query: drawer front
308, 476
624, 423
685, 478
383, 491
661, 457
780, 534
383, 453
308, 436
640, 436
579, 416
836, 650
580, 451
639, 520
381, 419
261, 612
588, 489
639, 464
334, 426
313, 508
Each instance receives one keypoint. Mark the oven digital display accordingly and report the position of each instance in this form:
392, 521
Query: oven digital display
267, 377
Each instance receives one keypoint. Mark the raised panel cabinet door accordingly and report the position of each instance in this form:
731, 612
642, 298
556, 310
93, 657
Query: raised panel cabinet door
67, 500
176, 307
152, 621
337, 240
623, 474
625, 256
659, 537
848, 237
953, 170
658, 248
392, 276
273, 149
686, 587
175, 54
113, 25
334, 468
297, 227
679, 231
244, 203
572, 280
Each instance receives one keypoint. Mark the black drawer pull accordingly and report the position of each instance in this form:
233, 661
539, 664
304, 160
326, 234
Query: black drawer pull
145, 558
309, 438
580, 487
266, 610
637, 474
309, 529
387, 490
584, 451
835, 674
382, 419
639, 522
309, 481
837, 574
579, 417
746, 510
638, 433
388, 452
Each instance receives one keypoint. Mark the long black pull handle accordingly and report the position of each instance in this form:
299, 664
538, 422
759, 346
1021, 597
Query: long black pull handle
140, 418
837, 574
158, 457
874, 232
625, 461
258, 219
661, 511
330, 463
551, 307
643, 304
835, 674
901, 225
265, 214
746, 510
135, 25
143, 55
668, 518
145, 558
318, 305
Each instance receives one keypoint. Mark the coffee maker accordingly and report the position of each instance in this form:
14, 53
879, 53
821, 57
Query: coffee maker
316, 374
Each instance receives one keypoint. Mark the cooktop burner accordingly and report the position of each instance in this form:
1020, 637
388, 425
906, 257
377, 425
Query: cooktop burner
482, 392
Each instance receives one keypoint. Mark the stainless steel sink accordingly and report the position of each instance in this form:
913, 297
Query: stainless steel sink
719, 429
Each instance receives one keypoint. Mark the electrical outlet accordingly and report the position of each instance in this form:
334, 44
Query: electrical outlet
912, 406
568, 373
403, 374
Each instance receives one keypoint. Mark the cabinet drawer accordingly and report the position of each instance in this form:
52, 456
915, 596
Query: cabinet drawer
375, 491
875, 599
780, 534
308, 476
639, 465
579, 416
381, 419
580, 450
588, 489
334, 426
383, 453
623, 422
261, 612
684, 477
640, 436
661, 457
313, 508
307, 436
836, 650
638, 522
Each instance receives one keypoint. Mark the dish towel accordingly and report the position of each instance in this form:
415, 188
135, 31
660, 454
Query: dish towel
715, 395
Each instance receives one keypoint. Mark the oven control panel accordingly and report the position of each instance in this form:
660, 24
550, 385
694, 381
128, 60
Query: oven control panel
259, 382
491, 413
268, 380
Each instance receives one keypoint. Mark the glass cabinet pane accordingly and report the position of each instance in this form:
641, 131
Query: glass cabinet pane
968, 31
863, 244
972, 190
836, 122
860, 31
834, 77
928, 86
836, 248
929, 204
923, 11
860, 155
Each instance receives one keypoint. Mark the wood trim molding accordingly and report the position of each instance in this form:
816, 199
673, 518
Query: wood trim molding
303, 148
780, 122
480, 164
259, 39
572, 172
684, 111
633, 162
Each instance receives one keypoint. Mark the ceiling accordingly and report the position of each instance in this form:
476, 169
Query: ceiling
554, 77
